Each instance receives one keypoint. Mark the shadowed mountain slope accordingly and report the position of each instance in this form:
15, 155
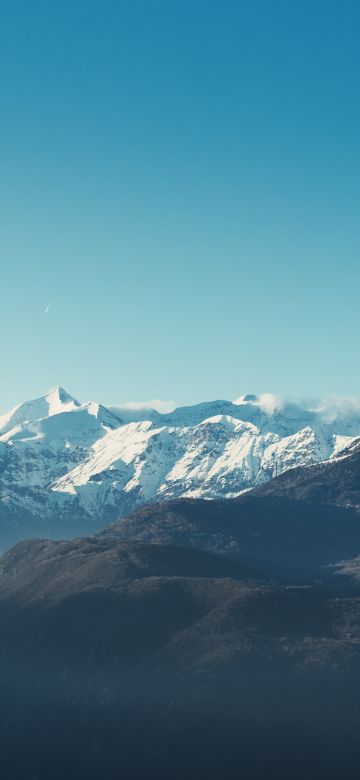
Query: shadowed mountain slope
131, 660
271, 537
335, 482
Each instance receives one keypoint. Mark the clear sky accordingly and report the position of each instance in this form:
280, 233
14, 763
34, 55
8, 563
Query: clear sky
179, 188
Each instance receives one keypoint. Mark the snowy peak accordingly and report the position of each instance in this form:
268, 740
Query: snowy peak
54, 402
59, 400
102, 414
249, 398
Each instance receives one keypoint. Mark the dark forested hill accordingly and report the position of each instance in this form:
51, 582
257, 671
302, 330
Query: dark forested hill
272, 537
132, 660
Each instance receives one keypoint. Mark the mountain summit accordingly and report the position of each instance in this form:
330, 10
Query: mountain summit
55, 401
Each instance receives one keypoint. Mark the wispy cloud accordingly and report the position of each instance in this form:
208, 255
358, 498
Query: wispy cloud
160, 406
47, 308
333, 405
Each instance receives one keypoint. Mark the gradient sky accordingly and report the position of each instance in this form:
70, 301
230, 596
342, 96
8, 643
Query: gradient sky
179, 182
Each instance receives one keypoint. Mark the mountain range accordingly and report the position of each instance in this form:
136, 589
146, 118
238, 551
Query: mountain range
68, 468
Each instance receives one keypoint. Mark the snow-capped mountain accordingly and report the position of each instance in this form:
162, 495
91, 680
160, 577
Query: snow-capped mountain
68, 467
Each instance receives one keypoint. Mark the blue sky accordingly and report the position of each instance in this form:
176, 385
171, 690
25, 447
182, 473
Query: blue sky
180, 181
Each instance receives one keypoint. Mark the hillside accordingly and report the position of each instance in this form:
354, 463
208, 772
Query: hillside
109, 646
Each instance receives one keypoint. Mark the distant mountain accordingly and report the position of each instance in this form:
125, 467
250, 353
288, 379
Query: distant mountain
134, 661
68, 468
55, 402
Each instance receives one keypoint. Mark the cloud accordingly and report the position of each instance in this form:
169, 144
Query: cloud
330, 407
334, 405
164, 407
47, 308
267, 401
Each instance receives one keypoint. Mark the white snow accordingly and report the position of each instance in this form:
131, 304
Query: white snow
59, 455
55, 402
